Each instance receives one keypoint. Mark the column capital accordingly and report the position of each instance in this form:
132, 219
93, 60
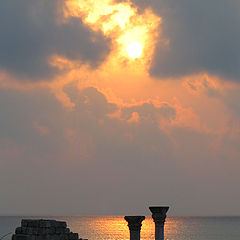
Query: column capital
134, 222
159, 214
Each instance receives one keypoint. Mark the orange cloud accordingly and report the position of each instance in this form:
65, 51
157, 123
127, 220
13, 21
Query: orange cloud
120, 22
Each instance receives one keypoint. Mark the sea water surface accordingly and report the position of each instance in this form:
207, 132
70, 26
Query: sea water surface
115, 227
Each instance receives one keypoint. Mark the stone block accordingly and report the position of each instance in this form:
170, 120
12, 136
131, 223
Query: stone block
73, 236
26, 222
47, 223
45, 237
44, 231
51, 230
61, 230
62, 237
33, 224
29, 231
18, 230
35, 231
61, 224
38, 237
23, 237
41, 229
58, 237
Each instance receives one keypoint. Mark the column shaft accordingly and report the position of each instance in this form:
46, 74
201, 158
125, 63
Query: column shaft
135, 235
159, 231
134, 224
159, 216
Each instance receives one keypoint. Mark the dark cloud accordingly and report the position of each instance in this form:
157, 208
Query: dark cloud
30, 33
204, 36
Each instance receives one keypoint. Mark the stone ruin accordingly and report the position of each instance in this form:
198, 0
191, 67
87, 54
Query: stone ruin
159, 215
41, 229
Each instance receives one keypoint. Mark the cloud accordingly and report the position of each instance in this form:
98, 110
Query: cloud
106, 164
32, 31
204, 84
203, 36
90, 100
194, 37
84, 148
117, 141
23, 113
150, 112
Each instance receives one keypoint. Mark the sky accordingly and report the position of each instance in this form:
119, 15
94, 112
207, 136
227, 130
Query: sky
108, 107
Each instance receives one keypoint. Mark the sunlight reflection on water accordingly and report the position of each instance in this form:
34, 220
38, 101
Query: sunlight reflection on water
176, 228
115, 228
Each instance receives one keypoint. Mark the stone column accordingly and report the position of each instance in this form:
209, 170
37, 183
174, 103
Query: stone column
159, 216
134, 224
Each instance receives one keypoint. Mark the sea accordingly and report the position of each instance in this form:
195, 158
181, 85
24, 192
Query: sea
115, 227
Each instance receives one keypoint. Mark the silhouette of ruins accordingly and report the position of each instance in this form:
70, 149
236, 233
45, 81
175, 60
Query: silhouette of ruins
42, 229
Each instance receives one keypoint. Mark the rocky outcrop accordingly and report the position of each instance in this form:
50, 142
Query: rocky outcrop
41, 229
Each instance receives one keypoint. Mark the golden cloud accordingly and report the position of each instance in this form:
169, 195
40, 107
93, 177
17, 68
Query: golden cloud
121, 22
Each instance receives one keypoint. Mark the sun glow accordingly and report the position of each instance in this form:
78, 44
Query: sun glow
134, 50
131, 32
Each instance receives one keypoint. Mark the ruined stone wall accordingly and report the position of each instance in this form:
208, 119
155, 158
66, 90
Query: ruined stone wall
43, 230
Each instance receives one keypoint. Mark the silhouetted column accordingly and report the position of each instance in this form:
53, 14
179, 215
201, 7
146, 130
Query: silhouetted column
159, 216
134, 224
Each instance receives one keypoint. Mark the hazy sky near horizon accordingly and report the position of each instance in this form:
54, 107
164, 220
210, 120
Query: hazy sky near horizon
87, 129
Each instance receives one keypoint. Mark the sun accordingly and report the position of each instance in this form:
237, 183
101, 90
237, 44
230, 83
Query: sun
134, 50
